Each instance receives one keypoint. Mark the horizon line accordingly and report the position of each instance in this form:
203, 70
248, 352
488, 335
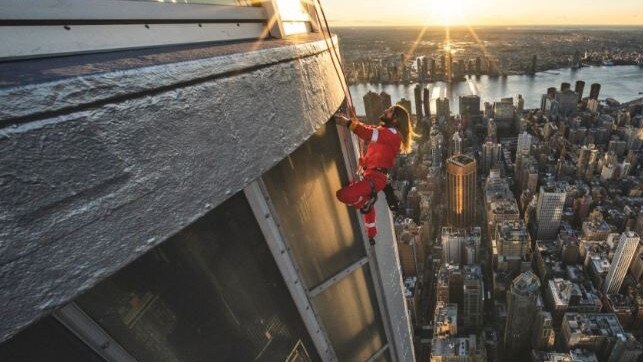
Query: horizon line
361, 25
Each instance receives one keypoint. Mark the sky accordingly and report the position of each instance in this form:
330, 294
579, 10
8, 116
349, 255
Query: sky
482, 12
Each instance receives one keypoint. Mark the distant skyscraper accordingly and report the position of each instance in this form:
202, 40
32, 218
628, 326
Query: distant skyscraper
406, 104
418, 102
442, 108
522, 299
594, 91
534, 61
549, 211
625, 251
492, 130
375, 104
426, 98
386, 100
425, 68
520, 105
372, 106
567, 101
469, 105
579, 88
461, 189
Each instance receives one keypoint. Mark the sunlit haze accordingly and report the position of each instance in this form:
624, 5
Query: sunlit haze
488, 12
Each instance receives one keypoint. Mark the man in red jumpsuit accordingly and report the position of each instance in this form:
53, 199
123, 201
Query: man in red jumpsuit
394, 135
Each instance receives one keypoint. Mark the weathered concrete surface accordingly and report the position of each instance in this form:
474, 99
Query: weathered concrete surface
85, 192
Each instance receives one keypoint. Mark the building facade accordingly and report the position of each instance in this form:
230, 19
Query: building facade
171, 224
461, 191
627, 245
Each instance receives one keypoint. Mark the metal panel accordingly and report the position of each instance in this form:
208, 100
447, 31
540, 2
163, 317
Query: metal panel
350, 147
258, 200
378, 354
72, 317
121, 10
337, 277
27, 41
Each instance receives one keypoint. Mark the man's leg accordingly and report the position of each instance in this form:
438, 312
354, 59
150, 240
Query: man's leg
358, 194
355, 194
371, 229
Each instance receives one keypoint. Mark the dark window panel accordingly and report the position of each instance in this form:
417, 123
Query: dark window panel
212, 292
45, 341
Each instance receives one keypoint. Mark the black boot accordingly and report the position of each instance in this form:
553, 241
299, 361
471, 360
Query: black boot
391, 199
369, 204
371, 241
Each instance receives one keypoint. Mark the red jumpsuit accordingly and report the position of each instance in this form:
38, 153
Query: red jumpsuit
383, 148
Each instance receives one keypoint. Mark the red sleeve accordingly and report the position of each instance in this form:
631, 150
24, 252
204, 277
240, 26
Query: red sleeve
362, 131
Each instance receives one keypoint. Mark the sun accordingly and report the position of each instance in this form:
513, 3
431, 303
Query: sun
449, 12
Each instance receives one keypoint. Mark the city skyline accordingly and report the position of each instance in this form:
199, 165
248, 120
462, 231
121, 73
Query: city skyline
488, 13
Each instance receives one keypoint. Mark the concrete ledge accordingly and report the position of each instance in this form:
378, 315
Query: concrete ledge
102, 167
390, 270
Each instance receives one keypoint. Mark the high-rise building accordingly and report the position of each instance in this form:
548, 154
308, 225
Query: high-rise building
469, 105
456, 144
418, 101
549, 210
202, 250
452, 244
594, 91
406, 104
426, 102
503, 113
409, 247
543, 335
524, 143
490, 156
522, 300
372, 107
636, 268
386, 100
512, 240
586, 154
520, 107
472, 299
567, 101
442, 108
578, 89
461, 190
625, 251
534, 61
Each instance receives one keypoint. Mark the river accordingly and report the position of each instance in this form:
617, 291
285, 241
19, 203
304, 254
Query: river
622, 83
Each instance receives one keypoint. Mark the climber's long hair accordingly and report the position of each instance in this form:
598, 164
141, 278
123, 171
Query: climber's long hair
405, 126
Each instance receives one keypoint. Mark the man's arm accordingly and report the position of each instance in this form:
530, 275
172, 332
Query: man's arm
365, 132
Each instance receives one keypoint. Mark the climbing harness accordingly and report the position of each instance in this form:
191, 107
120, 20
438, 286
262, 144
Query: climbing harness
372, 197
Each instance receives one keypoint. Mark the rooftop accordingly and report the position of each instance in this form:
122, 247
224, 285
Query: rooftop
594, 324
462, 160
